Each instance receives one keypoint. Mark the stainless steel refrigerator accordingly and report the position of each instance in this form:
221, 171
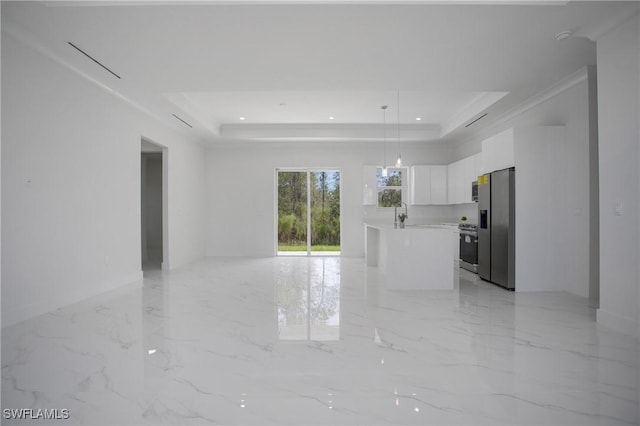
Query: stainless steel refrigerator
496, 228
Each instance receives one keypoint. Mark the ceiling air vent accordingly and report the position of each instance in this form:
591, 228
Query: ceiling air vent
182, 120
477, 119
92, 58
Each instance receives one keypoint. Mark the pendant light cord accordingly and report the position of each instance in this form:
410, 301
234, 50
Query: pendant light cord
399, 157
384, 136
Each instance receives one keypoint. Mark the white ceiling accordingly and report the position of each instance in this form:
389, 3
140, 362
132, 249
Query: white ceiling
287, 66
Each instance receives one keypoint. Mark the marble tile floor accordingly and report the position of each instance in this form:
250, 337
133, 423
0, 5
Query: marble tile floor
319, 341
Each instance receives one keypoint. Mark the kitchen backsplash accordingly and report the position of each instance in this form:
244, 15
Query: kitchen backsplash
469, 210
425, 214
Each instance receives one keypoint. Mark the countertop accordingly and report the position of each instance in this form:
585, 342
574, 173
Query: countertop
412, 226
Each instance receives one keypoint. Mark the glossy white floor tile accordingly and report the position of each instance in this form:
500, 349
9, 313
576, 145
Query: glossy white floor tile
318, 341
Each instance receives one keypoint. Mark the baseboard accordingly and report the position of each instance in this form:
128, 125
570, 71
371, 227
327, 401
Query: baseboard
618, 323
21, 313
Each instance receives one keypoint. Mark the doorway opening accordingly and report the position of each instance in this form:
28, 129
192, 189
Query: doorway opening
308, 212
152, 206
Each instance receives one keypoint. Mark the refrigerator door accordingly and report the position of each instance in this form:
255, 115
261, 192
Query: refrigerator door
502, 228
484, 227
512, 230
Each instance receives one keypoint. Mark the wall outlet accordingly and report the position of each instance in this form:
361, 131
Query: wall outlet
617, 208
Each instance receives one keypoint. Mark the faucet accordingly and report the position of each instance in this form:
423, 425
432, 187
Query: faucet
395, 215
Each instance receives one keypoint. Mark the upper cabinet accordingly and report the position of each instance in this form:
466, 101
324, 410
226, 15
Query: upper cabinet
420, 185
468, 176
479, 165
460, 176
453, 187
452, 184
428, 185
439, 185
497, 152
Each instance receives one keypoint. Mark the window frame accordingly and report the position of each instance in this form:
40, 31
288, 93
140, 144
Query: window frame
402, 188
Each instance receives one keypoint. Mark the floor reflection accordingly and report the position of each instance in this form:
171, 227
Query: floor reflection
308, 299
320, 341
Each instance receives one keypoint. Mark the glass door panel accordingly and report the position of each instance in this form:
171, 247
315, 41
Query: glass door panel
308, 212
292, 212
325, 212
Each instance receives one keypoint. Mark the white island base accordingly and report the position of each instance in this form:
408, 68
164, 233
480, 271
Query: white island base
413, 258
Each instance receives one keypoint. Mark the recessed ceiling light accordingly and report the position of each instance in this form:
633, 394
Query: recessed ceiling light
418, 118
242, 118
332, 118
563, 35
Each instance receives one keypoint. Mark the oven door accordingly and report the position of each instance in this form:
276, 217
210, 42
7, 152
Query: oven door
469, 247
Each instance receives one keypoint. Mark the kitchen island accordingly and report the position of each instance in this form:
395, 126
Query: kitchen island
418, 257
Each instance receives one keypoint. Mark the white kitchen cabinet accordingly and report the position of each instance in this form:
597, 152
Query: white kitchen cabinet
460, 175
497, 151
455, 177
468, 173
451, 183
459, 188
420, 185
369, 187
438, 184
479, 166
428, 185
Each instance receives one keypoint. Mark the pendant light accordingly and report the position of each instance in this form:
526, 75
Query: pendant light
398, 157
384, 140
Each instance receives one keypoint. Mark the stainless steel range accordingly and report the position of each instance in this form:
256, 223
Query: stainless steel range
469, 247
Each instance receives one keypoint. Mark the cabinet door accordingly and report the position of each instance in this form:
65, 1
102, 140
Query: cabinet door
468, 172
439, 185
420, 185
451, 184
369, 188
459, 172
479, 167
497, 151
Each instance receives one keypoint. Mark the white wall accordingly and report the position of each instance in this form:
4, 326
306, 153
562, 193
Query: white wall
470, 210
0, 164
619, 148
241, 190
568, 108
542, 242
71, 186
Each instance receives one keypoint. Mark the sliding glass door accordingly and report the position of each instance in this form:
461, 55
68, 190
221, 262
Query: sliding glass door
292, 212
308, 212
325, 211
